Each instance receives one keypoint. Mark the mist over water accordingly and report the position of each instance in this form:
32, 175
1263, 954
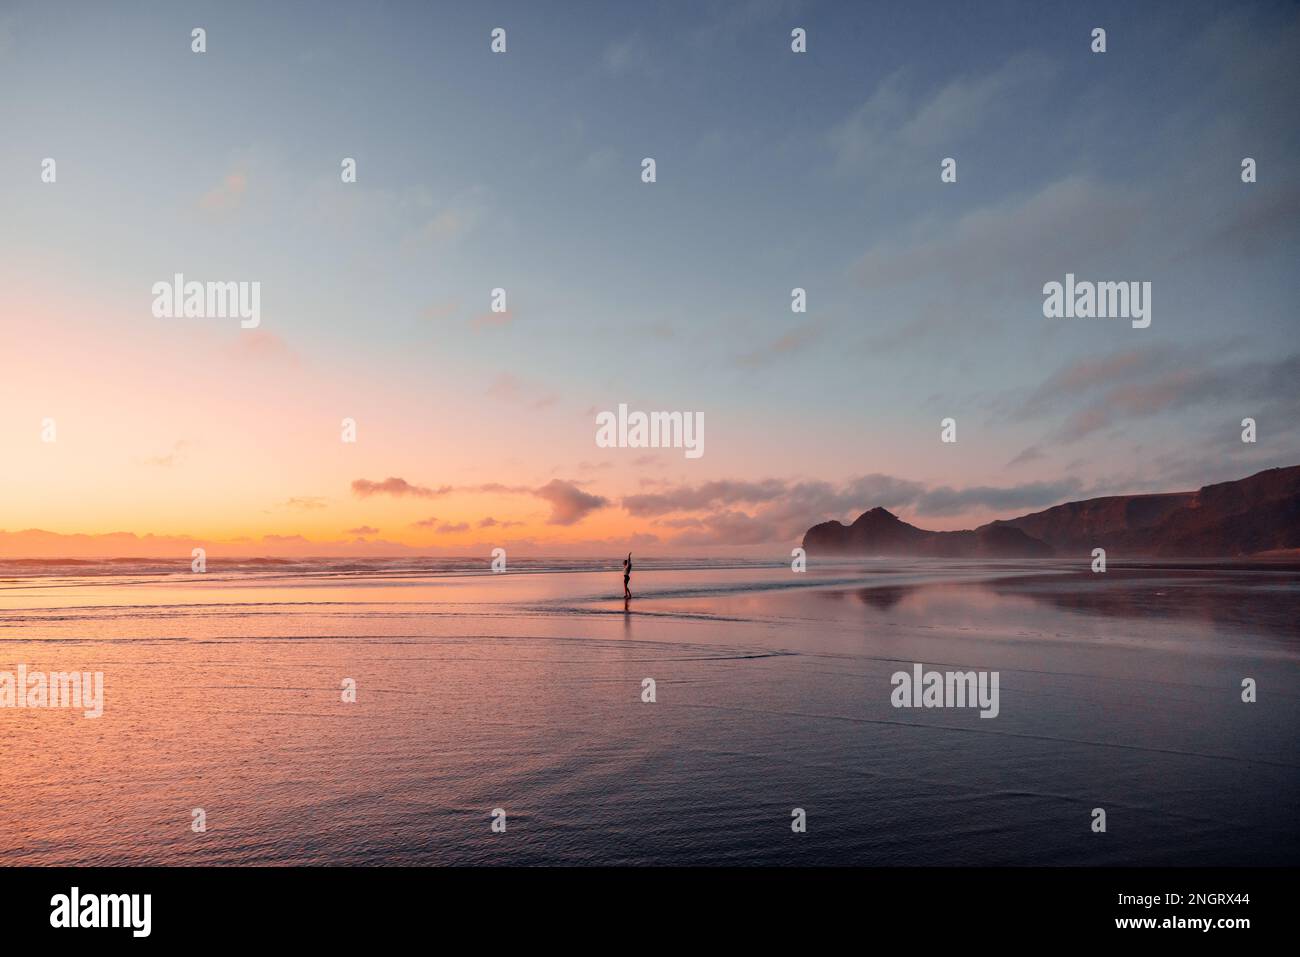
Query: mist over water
523, 691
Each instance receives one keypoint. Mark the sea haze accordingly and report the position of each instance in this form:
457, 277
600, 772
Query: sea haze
523, 691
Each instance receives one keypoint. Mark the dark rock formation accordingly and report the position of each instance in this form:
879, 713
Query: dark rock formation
1252, 515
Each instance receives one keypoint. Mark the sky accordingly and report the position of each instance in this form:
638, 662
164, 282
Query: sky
522, 171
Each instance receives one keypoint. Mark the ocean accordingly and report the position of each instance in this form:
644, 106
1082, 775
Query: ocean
519, 700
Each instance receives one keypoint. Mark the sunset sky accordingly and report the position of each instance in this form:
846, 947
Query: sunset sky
522, 171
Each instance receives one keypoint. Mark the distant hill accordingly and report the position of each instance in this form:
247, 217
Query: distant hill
1252, 515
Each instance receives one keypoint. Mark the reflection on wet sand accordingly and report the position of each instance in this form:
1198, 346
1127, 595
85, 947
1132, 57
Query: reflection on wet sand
773, 691
1260, 597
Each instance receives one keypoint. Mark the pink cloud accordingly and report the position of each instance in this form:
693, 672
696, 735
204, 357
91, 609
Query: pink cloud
397, 487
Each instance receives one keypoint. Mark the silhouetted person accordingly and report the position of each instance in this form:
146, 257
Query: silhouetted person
627, 574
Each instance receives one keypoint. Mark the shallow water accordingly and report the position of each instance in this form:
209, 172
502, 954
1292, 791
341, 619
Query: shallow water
523, 692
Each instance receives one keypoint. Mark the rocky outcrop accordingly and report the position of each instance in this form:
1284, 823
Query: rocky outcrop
1246, 517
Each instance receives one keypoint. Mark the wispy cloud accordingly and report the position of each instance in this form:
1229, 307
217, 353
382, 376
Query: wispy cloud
1030, 454
452, 222
440, 311
1008, 246
261, 345
630, 55
174, 457
786, 344
569, 503
490, 320
1097, 392
226, 195
897, 126
512, 388
305, 502
397, 487
490, 522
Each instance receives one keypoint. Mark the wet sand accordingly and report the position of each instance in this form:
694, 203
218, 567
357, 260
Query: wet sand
523, 691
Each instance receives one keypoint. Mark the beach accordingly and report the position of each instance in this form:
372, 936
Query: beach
225, 692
